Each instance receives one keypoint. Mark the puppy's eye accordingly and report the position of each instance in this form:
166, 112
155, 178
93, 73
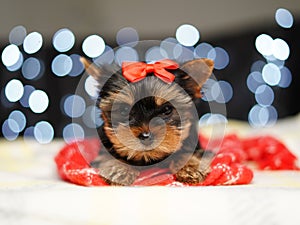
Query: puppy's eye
167, 110
124, 109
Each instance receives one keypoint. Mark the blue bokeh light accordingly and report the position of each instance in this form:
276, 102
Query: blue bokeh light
126, 54
17, 35
72, 132
93, 46
43, 132
17, 121
8, 134
284, 18
31, 68
264, 95
10, 55
187, 35
127, 36
33, 43
154, 54
77, 66
74, 106
271, 74
38, 101
14, 90
62, 65
63, 40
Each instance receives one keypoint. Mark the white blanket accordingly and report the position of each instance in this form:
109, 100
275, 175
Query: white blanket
31, 192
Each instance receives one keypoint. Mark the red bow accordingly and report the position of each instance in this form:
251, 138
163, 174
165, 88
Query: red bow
135, 71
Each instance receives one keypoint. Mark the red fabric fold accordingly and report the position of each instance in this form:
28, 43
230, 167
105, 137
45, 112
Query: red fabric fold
229, 166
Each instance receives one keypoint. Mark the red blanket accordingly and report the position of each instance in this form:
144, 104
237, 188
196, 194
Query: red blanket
227, 168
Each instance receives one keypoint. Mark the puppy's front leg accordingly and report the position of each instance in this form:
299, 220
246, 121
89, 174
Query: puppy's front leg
190, 169
114, 172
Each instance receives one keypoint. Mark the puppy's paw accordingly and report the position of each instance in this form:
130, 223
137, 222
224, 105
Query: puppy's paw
190, 174
118, 174
191, 170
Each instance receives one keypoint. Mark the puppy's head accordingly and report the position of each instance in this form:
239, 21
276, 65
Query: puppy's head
146, 121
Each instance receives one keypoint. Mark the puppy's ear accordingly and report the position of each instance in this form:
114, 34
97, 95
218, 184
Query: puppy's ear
91, 68
197, 72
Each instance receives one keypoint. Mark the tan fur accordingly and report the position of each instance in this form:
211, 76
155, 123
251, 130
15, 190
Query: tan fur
167, 141
159, 101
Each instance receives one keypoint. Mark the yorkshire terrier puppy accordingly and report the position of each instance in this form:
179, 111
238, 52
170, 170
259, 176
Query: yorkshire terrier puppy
150, 119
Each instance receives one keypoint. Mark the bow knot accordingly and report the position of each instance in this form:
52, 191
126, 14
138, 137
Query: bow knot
135, 71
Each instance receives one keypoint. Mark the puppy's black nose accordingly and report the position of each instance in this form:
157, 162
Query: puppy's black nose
146, 138
145, 135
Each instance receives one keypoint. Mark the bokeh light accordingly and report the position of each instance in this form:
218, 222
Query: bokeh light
62, 65
272, 115
31, 68
212, 54
13, 125
257, 66
177, 51
212, 119
91, 117
202, 50
17, 35
14, 90
72, 132
38, 101
126, 54
168, 45
221, 91
286, 77
91, 87
254, 118
271, 74
127, 36
63, 40
16, 121
28, 133
264, 44
254, 80
187, 35
93, 46
74, 106
43, 132
28, 89
17, 65
107, 56
183, 54
77, 66
33, 43
221, 58
154, 54
207, 90
280, 49
264, 95
10, 55
271, 59
284, 18
260, 116
7, 132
